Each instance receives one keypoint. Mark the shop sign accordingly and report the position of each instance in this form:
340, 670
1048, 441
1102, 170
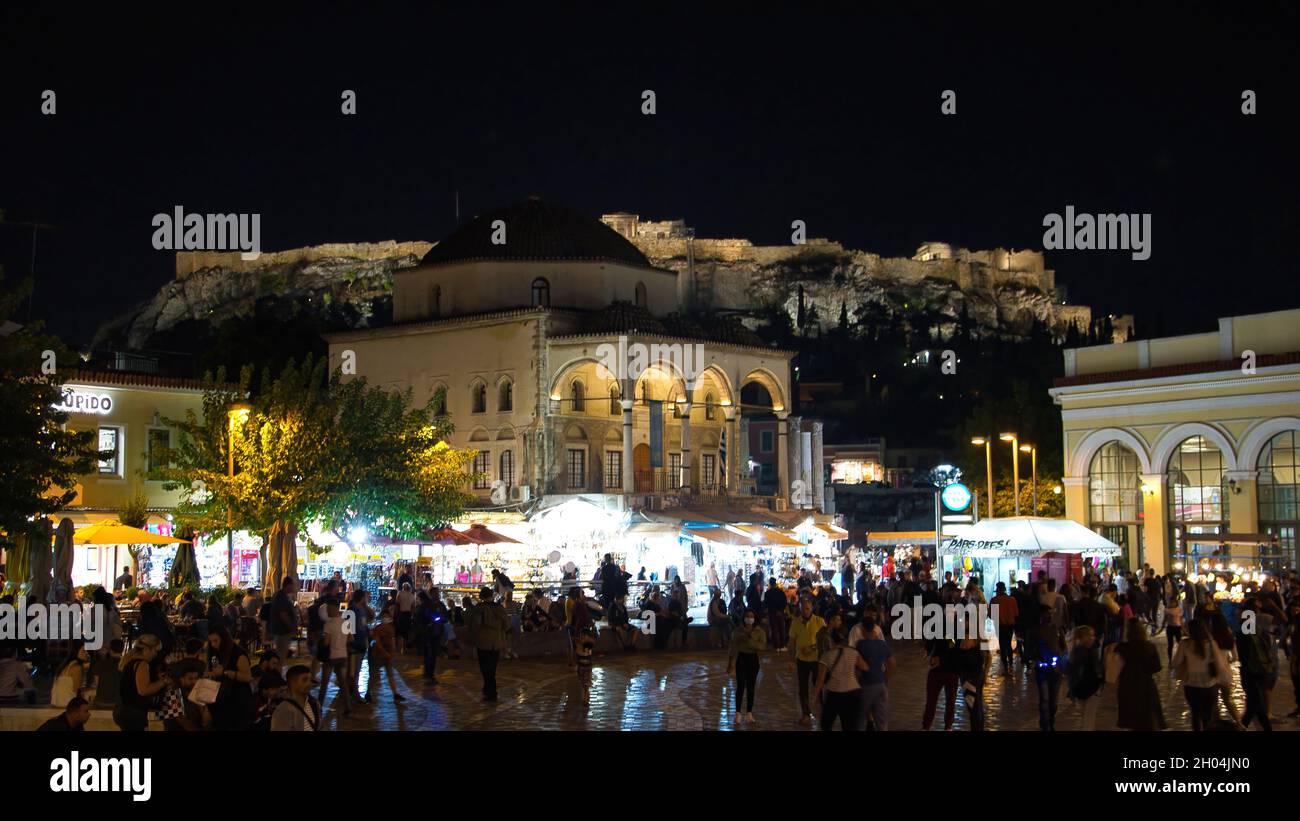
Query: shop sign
956, 497
75, 401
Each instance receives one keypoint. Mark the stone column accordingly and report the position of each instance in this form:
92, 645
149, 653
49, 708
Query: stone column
782, 456
629, 476
744, 482
1155, 524
687, 475
733, 451
794, 443
818, 471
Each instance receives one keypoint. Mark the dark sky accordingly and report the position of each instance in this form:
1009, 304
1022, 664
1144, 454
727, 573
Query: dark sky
763, 117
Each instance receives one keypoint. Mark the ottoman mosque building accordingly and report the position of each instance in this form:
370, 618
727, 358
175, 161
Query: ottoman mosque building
568, 361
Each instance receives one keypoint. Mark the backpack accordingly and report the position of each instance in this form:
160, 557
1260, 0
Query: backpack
265, 614
314, 622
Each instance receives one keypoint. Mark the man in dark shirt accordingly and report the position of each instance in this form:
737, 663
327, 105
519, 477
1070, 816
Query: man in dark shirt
1090, 613
72, 719
776, 602
123, 581
283, 625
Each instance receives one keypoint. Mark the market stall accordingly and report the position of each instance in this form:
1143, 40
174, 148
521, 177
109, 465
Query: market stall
1004, 550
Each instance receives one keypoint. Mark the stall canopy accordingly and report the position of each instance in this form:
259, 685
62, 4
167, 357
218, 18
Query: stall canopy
448, 535
118, 533
1027, 536
479, 534
760, 534
721, 535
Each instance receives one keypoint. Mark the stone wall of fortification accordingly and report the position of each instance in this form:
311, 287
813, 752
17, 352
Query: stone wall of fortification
187, 262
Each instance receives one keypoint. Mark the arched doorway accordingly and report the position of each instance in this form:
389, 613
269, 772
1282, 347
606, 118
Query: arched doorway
644, 476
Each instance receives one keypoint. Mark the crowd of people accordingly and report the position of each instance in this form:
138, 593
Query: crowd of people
267, 664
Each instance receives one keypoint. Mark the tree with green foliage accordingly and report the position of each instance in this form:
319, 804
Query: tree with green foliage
313, 447
40, 458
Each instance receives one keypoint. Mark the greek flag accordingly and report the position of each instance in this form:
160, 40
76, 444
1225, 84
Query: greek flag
722, 455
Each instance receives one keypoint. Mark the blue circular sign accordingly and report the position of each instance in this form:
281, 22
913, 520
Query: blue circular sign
956, 497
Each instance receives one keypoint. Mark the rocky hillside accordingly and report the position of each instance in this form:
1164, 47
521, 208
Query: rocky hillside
216, 286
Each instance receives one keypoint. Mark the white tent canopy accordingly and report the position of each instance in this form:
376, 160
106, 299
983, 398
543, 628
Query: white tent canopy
1027, 536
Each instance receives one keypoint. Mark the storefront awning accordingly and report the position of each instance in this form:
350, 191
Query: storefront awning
720, 535
835, 533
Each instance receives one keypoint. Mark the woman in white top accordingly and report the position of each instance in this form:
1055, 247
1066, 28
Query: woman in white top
1203, 667
71, 677
837, 677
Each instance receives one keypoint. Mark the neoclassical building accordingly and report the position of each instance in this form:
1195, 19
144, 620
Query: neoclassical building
1170, 442
512, 319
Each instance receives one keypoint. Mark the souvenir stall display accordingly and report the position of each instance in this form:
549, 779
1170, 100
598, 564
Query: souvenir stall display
581, 532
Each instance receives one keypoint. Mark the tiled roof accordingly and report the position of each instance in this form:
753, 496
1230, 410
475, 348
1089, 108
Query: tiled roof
127, 379
536, 230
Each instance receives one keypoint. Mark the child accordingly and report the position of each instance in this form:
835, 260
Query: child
583, 649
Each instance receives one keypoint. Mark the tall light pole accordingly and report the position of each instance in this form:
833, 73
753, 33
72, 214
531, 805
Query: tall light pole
987, 442
236, 415
1015, 466
1032, 450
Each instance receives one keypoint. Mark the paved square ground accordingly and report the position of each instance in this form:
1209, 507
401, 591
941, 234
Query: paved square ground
689, 690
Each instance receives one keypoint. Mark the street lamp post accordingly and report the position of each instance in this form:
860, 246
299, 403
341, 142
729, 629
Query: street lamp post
1032, 450
987, 442
1015, 466
235, 415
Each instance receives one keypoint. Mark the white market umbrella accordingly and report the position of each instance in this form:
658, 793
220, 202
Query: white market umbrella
1027, 536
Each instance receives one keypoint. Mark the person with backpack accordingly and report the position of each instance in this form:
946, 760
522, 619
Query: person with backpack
486, 626
1258, 663
297, 711
281, 617
1085, 676
431, 619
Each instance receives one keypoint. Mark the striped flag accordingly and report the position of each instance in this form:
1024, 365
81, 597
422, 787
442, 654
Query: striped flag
722, 455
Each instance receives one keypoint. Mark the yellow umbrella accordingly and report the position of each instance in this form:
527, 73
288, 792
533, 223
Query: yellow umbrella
112, 532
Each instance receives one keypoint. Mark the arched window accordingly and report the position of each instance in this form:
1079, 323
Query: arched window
1197, 503
435, 300
478, 398
709, 409
506, 396
1114, 486
1279, 512
506, 472
640, 295
578, 394
439, 406
481, 464
615, 407
541, 292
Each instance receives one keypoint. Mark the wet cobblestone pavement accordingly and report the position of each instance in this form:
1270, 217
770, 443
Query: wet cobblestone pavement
689, 690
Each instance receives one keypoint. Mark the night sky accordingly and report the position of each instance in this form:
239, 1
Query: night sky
762, 118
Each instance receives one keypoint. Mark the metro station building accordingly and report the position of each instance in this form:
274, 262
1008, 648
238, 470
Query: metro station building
1176, 443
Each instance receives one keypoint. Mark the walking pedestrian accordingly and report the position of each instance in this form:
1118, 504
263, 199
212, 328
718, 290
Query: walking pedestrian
776, 603
486, 626
297, 711
1131, 666
1203, 668
332, 653
972, 664
1008, 615
747, 641
876, 653
838, 689
1258, 664
1085, 676
1051, 659
806, 644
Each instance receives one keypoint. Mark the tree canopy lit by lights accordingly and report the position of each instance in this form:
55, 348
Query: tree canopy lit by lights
312, 447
